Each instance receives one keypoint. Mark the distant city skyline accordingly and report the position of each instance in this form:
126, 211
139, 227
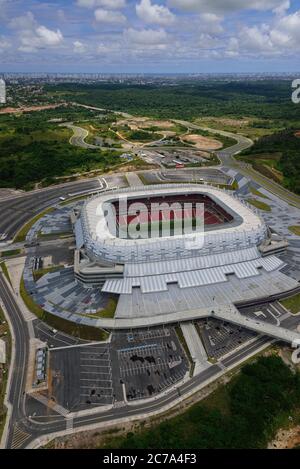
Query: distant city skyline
150, 36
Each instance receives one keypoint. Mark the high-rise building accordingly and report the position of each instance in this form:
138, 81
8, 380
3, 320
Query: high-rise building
2, 91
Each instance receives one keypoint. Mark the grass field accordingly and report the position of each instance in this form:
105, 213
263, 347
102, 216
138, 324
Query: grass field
185, 348
247, 126
108, 312
257, 193
260, 205
13, 252
5, 271
292, 304
295, 229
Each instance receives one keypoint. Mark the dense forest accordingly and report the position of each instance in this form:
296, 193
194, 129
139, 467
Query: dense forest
34, 148
282, 150
261, 99
252, 408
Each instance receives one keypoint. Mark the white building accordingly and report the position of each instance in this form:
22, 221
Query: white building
2, 91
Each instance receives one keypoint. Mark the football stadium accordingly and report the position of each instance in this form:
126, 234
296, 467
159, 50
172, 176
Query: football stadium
175, 251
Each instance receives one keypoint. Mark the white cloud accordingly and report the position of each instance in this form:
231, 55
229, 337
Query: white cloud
210, 23
224, 5
110, 17
106, 50
255, 40
103, 49
206, 41
109, 4
156, 14
26, 21
49, 37
281, 9
33, 36
4, 44
290, 26
79, 47
280, 38
146, 36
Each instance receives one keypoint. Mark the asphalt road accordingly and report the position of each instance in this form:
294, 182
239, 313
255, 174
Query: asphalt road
79, 136
16, 392
16, 211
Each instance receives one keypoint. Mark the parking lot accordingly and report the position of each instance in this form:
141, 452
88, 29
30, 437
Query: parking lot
171, 156
95, 375
81, 377
149, 361
220, 338
210, 175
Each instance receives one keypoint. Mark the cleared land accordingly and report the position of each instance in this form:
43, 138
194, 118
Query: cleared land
12, 110
203, 143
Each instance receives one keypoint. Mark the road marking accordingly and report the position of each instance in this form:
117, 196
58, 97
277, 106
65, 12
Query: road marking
95, 366
89, 358
19, 437
101, 387
97, 379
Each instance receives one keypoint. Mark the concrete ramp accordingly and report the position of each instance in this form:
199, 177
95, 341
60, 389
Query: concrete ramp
195, 346
134, 180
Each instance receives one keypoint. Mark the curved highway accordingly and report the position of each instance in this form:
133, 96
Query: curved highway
18, 210
227, 157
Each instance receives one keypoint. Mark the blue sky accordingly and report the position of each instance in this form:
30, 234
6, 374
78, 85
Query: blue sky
135, 36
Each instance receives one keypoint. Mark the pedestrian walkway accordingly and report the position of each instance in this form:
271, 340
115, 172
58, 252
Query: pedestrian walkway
56, 407
19, 437
195, 346
231, 314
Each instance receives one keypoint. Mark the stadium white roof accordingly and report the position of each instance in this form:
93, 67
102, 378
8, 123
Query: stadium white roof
192, 278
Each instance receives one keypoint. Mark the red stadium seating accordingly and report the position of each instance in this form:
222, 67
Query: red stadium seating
213, 213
